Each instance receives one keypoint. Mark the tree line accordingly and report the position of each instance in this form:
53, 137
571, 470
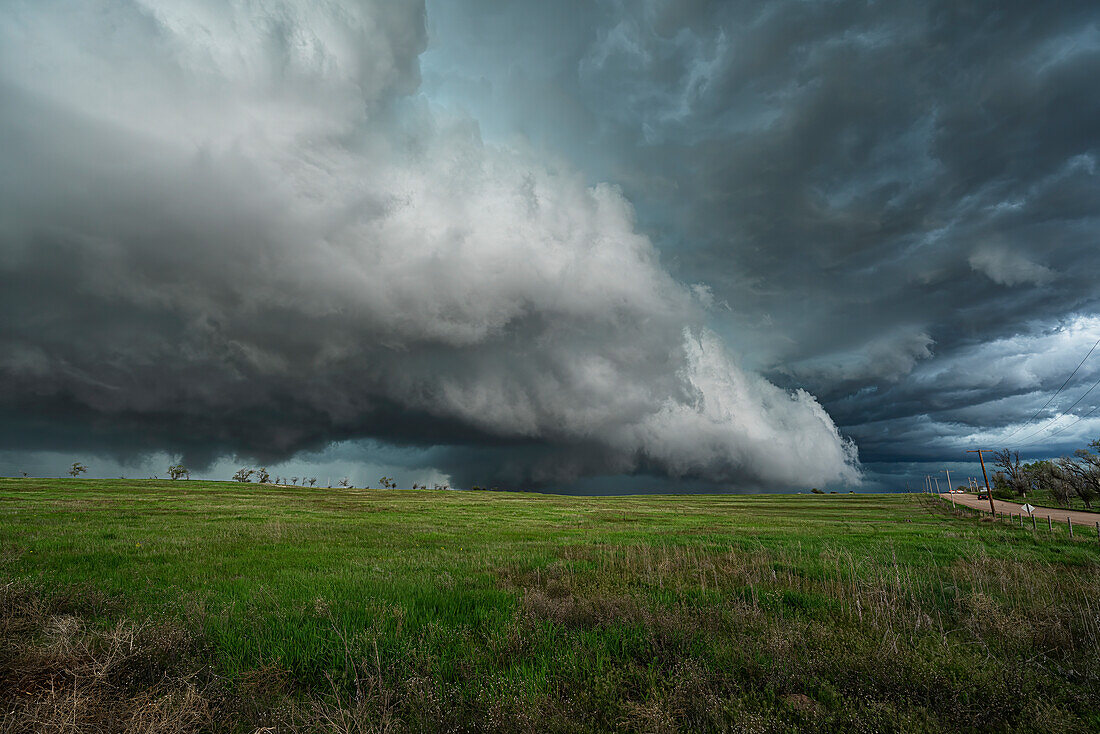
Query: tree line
248, 475
1076, 475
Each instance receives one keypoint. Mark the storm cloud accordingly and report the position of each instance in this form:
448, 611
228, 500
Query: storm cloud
244, 229
884, 195
549, 243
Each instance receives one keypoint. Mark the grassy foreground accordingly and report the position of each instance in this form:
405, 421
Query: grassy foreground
168, 606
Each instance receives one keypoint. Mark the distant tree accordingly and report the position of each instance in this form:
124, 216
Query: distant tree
262, 476
344, 482
815, 490
178, 471
24, 475
1001, 485
388, 483
312, 481
1060, 482
294, 480
1080, 477
77, 469
1009, 463
1037, 475
1089, 487
243, 475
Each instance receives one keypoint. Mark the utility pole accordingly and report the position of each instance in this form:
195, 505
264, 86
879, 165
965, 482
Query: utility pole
937, 484
988, 491
948, 479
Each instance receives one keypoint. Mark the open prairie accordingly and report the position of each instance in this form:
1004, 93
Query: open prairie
157, 606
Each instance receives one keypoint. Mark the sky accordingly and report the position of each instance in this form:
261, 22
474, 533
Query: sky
590, 247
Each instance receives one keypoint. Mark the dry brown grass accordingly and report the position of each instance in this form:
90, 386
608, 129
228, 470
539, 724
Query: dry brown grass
882, 632
64, 668
59, 673
994, 599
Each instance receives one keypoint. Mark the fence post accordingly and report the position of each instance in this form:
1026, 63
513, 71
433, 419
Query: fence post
1069, 524
1050, 524
1033, 528
1098, 531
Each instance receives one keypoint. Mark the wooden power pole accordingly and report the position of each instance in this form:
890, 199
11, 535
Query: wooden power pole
988, 491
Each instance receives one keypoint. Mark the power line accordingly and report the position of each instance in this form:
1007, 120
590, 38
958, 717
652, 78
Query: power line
1071, 425
1040, 410
1055, 420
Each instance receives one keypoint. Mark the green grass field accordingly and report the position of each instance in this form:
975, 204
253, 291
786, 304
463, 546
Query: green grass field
242, 606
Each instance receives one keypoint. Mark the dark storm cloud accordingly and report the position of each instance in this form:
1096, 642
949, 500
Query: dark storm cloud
264, 230
886, 195
240, 229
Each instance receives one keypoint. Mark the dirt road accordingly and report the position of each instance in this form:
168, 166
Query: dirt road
1079, 518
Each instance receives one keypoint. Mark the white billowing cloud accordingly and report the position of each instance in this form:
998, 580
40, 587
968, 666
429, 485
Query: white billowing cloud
207, 73
265, 220
779, 433
1032, 363
1008, 268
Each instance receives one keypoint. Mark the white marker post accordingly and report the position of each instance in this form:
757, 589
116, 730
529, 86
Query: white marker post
1030, 511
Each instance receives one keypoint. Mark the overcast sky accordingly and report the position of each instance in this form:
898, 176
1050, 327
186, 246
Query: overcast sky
589, 246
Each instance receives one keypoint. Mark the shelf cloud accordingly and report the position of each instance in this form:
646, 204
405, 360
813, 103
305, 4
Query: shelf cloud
242, 229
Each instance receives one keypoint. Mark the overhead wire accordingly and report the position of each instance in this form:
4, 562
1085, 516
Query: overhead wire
1022, 441
1063, 415
1079, 419
1051, 400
